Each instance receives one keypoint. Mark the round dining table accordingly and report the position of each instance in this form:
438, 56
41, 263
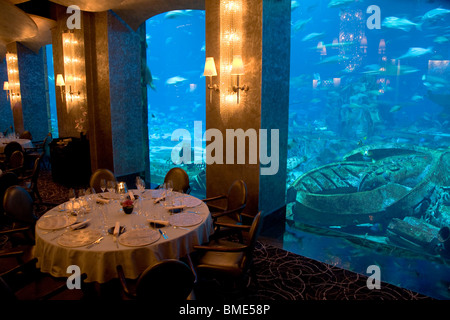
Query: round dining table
138, 242
25, 143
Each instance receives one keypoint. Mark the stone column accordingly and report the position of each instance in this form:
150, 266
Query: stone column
114, 126
265, 52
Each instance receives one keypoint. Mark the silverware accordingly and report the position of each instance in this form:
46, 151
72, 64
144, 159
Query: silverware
94, 243
163, 234
117, 242
177, 227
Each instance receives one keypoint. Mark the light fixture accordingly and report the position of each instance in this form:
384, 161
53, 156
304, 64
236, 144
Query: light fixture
237, 69
13, 83
6, 88
231, 43
60, 83
210, 71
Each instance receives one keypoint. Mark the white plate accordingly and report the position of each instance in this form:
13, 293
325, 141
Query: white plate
55, 222
78, 238
139, 237
189, 201
185, 219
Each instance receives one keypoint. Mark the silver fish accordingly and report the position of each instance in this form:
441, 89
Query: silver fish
435, 14
400, 23
416, 52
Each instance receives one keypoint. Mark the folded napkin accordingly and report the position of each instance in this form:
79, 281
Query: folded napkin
80, 224
159, 199
131, 195
100, 200
162, 222
180, 207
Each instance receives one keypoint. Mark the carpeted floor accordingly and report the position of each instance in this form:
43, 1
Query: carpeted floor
280, 275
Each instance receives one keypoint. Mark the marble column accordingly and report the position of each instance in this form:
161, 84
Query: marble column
112, 61
266, 54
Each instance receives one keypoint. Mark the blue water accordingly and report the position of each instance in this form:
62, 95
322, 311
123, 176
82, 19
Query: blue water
176, 96
51, 91
373, 86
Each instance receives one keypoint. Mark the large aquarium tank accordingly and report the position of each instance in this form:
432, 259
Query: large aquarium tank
175, 43
369, 136
368, 170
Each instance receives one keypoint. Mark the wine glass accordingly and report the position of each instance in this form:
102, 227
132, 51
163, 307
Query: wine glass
140, 184
168, 186
103, 185
72, 194
111, 186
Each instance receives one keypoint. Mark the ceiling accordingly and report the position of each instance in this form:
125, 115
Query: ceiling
30, 21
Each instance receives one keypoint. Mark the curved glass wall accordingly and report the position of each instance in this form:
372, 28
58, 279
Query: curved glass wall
368, 138
176, 92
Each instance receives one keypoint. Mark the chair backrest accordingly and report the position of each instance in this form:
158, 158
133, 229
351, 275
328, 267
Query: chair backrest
180, 179
168, 279
252, 237
237, 197
36, 170
98, 175
16, 160
18, 205
11, 147
26, 135
7, 180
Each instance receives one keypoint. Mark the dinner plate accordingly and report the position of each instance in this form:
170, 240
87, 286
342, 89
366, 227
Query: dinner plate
139, 237
185, 219
78, 238
189, 201
56, 222
157, 193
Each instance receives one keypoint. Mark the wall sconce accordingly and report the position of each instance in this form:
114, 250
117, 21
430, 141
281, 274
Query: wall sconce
61, 84
237, 69
6, 88
210, 71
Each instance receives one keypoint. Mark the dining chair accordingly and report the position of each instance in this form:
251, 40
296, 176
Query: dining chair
19, 213
30, 181
16, 163
232, 213
8, 151
179, 178
230, 260
7, 180
40, 147
26, 135
98, 175
168, 279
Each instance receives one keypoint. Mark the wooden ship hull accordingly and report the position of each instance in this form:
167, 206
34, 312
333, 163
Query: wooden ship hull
372, 185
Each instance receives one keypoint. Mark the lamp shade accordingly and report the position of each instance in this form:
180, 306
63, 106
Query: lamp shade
5, 85
237, 67
60, 80
210, 68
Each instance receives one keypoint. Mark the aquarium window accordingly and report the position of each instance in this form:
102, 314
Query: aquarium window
52, 115
176, 92
368, 111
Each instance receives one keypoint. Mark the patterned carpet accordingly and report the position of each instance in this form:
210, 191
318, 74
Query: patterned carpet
280, 275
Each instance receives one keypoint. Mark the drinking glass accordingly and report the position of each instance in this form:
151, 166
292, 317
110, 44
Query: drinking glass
103, 185
111, 185
168, 186
72, 195
140, 184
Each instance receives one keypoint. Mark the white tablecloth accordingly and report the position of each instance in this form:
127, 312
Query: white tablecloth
25, 143
100, 261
